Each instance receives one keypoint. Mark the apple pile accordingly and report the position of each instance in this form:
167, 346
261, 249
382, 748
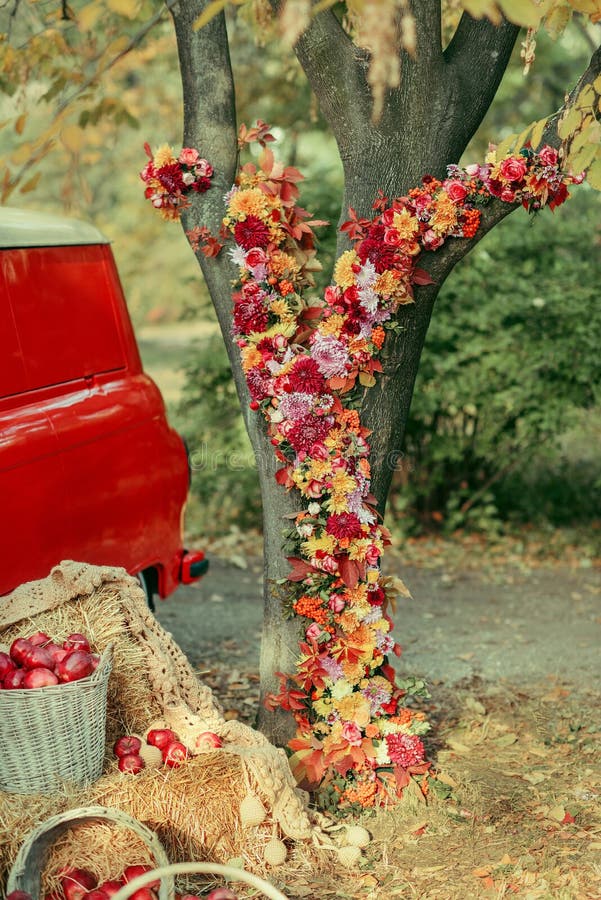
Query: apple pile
80, 884
162, 747
37, 661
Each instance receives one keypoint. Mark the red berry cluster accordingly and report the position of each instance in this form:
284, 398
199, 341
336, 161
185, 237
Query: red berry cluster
37, 661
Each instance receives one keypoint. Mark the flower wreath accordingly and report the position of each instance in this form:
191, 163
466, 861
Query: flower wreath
306, 362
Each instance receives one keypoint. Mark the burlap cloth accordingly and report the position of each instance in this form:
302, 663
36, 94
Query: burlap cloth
194, 808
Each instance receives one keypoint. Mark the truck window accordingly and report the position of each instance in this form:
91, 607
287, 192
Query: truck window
66, 303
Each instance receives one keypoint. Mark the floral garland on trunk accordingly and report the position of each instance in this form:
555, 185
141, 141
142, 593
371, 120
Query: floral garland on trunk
307, 362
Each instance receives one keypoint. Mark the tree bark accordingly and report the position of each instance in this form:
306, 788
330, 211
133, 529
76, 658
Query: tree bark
426, 124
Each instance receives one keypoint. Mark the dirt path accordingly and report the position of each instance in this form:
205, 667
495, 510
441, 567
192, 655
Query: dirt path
522, 630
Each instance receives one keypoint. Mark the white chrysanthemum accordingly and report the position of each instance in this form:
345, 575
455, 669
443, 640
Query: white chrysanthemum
314, 508
238, 255
382, 757
367, 274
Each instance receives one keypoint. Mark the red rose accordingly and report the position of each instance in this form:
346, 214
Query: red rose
513, 168
456, 191
255, 257
548, 156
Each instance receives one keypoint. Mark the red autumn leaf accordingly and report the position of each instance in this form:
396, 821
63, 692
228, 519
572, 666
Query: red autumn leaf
350, 571
147, 149
300, 569
282, 476
568, 819
420, 276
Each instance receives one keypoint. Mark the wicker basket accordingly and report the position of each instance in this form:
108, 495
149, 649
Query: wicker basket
26, 873
200, 868
54, 734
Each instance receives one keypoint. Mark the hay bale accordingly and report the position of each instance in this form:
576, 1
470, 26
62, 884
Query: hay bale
194, 809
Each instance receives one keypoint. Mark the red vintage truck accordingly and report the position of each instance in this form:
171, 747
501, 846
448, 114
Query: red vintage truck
89, 467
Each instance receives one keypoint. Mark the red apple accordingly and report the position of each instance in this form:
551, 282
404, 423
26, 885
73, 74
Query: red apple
143, 893
77, 641
19, 895
132, 764
38, 658
132, 872
18, 650
13, 680
57, 653
110, 888
75, 666
96, 894
161, 737
189, 897
221, 893
208, 740
76, 883
40, 677
39, 639
174, 754
125, 746
6, 665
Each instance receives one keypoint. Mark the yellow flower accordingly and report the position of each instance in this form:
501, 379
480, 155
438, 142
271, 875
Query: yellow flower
406, 224
354, 708
445, 218
331, 325
282, 264
279, 307
353, 671
327, 543
248, 202
323, 706
386, 283
319, 468
250, 357
337, 503
164, 156
343, 270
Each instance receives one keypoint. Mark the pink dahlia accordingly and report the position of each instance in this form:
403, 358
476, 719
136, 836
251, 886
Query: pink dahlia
330, 354
405, 749
252, 232
344, 525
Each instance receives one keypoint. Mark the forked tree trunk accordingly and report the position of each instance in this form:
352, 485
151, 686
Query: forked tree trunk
426, 124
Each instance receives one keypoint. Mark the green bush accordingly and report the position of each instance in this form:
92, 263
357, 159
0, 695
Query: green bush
511, 358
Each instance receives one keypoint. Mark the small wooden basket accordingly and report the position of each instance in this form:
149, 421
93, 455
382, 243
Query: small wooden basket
26, 873
54, 734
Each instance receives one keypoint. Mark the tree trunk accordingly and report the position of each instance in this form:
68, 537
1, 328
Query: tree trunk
426, 124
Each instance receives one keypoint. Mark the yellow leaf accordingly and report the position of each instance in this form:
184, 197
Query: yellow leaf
20, 123
537, 132
72, 137
366, 379
522, 137
557, 20
569, 123
521, 12
588, 7
557, 813
480, 8
482, 871
127, 8
505, 146
89, 15
593, 176
582, 160
586, 97
209, 12
31, 184
21, 154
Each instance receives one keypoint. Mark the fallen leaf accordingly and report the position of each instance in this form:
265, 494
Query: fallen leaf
534, 777
557, 813
506, 740
482, 871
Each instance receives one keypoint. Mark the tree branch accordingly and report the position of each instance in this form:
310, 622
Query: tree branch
428, 30
476, 58
336, 70
210, 126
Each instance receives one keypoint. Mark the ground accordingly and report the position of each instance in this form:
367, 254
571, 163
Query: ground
510, 648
